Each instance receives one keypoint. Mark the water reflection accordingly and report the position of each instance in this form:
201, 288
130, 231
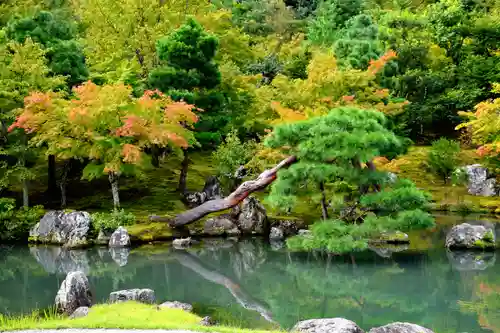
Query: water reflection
256, 286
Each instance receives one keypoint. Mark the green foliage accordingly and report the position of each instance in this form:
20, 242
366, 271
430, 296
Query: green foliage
231, 154
443, 158
15, 223
111, 221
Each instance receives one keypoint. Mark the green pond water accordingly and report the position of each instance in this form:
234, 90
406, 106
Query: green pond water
253, 284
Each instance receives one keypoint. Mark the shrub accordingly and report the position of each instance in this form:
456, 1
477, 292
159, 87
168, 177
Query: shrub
443, 157
111, 221
15, 224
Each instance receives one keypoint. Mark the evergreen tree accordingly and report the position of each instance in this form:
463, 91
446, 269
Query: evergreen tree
335, 155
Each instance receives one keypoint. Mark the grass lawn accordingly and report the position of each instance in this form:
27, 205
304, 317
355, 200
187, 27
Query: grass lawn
127, 315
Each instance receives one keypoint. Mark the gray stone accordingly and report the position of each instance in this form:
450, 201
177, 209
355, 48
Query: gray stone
67, 229
479, 181
181, 243
211, 190
290, 227
400, 328
119, 255
276, 244
329, 325
82, 311
252, 218
220, 225
469, 236
207, 321
177, 305
465, 261
73, 293
103, 237
386, 251
120, 238
392, 177
276, 234
140, 295
305, 233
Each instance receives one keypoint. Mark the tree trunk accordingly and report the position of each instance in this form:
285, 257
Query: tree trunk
155, 156
113, 180
26, 198
324, 206
52, 178
216, 205
184, 170
63, 182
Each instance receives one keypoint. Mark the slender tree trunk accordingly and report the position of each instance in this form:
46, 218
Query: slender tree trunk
26, 198
63, 182
113, 180
155, 156
184, 170
324, 206
52, 179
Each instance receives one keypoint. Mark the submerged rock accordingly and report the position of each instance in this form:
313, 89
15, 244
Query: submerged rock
252, 217
479, 181
467, 236
220, 226
329, 325
146, 296
120, 238
82, 311
181, 243
67, 229
471, 260
177, 305
73, 293
400, 328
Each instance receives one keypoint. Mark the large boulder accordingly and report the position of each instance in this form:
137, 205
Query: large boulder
60, 228
468, 236
465, 261
480, 182
329, 325
120, 238
252, 217
400, 328
220, 226
73, 293
211, 190
140, 295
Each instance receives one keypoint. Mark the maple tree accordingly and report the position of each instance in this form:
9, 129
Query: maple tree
106, 125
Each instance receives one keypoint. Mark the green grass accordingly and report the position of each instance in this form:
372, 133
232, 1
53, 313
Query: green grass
128, 315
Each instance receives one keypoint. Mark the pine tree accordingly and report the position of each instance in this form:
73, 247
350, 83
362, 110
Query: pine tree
358, 202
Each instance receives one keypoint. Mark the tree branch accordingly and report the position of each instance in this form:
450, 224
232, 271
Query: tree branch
217, 205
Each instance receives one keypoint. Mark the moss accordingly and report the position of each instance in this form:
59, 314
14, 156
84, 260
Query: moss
127, 315
149, 232
393, 237
484, 244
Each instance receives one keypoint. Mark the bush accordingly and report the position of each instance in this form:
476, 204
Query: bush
111, 221
443, 158
15, 224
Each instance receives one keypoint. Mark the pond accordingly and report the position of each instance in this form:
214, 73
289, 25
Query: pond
252, 284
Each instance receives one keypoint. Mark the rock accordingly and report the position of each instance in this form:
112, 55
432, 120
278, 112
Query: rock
479, 181
465, 261
67, 229
73, 293
392, 177
276, 233
290, 227
467, 236
61, 260
140, 295
103, 237
119, 255
329, 325
181, 243
252, 218
396, 237
211, 190
276, 244
120, 238
82, 311
400, 328
304, 233
220, 225
386, 251
207, 321
177, 305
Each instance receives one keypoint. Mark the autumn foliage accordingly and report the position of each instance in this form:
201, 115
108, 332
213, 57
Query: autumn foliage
105, 124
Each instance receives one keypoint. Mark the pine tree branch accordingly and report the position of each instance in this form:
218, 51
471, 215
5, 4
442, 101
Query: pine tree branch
217, 205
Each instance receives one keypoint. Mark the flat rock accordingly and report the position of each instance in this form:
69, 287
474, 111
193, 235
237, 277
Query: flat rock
329, 325
60, 228
73, 293
400, 328
120, 238
177, 305
181, 243
468, 236
82, 311
146, 296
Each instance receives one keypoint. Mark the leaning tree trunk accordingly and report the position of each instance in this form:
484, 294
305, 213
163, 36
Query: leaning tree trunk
184, 170
26, 197
113, 180
217, 205
52, 179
